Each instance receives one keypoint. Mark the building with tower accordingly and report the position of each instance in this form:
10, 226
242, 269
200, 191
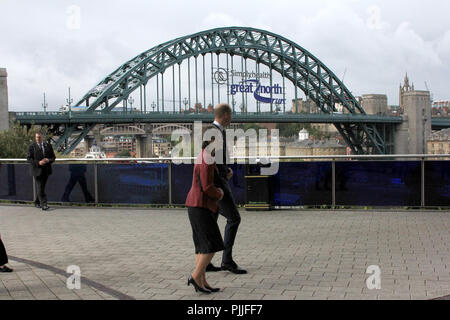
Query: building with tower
406, 87
411, 135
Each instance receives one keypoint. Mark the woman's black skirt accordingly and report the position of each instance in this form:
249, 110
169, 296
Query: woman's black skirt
205, 231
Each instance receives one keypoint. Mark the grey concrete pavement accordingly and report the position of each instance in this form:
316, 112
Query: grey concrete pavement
148, 254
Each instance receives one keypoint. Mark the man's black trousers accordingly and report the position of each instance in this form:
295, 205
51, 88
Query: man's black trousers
228, 209
41, 197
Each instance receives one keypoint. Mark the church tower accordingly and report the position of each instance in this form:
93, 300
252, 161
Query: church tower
403, 89
410, 136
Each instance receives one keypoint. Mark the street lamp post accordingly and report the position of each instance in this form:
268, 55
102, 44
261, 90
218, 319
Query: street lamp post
45, 105
131, 101
233, 102
69, 102
153, 106
186, 102
277, 107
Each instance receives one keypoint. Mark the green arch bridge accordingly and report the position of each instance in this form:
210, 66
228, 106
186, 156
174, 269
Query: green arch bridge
223, 50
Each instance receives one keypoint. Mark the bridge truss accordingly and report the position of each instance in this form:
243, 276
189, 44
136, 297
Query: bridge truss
280, 55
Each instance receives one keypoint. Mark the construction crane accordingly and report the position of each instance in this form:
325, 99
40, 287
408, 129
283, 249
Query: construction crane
343, 77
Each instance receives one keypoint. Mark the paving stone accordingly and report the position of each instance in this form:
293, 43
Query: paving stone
148, 254
276, 297
238, 296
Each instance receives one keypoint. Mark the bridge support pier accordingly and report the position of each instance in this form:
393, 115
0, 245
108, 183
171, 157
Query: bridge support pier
411, 135
144, 147
97, 136
88, 143
401, 137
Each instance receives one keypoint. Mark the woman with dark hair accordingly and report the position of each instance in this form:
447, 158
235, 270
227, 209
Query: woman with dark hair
202, 203
3, 258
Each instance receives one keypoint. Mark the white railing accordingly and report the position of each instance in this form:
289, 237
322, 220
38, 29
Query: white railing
324, 157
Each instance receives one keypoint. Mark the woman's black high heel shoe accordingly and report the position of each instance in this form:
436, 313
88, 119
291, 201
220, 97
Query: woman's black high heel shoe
212, 289
196, 286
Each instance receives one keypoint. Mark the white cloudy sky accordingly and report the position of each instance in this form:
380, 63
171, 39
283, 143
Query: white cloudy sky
376, 41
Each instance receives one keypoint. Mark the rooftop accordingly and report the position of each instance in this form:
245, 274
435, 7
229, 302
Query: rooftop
316, 144
441, 134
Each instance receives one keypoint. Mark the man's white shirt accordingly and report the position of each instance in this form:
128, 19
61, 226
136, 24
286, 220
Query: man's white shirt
218, 125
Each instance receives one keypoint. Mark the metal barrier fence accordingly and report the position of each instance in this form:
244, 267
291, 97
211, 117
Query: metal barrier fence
390, 181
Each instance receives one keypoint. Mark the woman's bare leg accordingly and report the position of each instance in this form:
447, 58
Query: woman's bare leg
209, 257
202, 261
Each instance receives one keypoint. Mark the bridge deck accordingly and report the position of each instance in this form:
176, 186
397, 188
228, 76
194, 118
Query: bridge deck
170, 117
440, 123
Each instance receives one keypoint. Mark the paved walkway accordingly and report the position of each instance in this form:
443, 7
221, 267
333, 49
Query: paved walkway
148, 254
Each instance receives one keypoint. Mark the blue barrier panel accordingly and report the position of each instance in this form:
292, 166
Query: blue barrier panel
71, 183
380, 183
437, 183
362, 183
16, 182
182, 181
237, 183
146, 183
303, 184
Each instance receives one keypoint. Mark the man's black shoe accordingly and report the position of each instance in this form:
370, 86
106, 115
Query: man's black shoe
233, 268
37, 205
211, 268
45, 208
6, 269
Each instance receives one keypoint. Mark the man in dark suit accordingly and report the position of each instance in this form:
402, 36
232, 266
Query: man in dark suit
227, 206
40, 156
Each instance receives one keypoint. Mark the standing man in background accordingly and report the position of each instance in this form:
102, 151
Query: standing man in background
40, 156
227, 206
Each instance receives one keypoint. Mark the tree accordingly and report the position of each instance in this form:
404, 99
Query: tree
255, 126
15, 141
289, 129
123, 154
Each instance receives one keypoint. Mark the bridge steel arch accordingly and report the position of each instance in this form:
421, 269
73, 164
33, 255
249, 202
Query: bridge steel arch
298, 65
160, 129
133, 130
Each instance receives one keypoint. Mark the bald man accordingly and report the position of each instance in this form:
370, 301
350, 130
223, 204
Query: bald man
227, 206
